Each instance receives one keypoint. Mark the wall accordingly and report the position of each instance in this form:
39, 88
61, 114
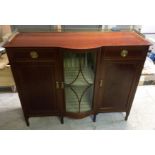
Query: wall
5, 32
148, 29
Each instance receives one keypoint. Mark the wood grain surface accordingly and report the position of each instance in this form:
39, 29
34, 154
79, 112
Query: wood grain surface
77, 40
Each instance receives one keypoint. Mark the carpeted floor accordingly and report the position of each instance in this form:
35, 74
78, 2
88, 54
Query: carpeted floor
141, 116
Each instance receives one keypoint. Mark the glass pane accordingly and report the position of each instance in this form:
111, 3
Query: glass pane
79, 70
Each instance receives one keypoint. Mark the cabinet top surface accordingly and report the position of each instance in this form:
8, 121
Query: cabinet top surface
77, 40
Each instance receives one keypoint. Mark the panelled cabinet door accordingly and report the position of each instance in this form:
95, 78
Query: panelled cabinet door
117, 81
38, 86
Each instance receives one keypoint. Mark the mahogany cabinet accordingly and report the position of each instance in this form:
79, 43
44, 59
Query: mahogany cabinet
76, 74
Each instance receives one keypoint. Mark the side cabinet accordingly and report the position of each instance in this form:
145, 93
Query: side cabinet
76, 74
37, 74
117, 78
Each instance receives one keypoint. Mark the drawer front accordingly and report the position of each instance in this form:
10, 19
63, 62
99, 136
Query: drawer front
33, 54
125, 52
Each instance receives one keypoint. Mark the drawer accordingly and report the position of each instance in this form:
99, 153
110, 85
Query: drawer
125, 52
33, 54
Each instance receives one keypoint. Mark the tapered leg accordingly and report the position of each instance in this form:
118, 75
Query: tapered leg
62, 120
126, 117
13, 88
27, 121
94, 118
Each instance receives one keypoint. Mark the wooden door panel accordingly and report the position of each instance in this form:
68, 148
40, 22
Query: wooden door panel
118, 78
37, 84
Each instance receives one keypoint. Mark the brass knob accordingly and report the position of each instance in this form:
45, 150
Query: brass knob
124, 53
34, 55
101, 83
62, 85
57, 85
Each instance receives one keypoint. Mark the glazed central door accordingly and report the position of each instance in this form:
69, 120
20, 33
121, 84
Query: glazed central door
79, 76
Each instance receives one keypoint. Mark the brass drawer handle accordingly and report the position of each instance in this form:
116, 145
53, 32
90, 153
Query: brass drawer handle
34, 55
124, 53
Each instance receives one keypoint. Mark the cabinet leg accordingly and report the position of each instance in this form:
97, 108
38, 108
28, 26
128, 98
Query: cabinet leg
62, 120
94, 118
27, 121
13, 89
126, 117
